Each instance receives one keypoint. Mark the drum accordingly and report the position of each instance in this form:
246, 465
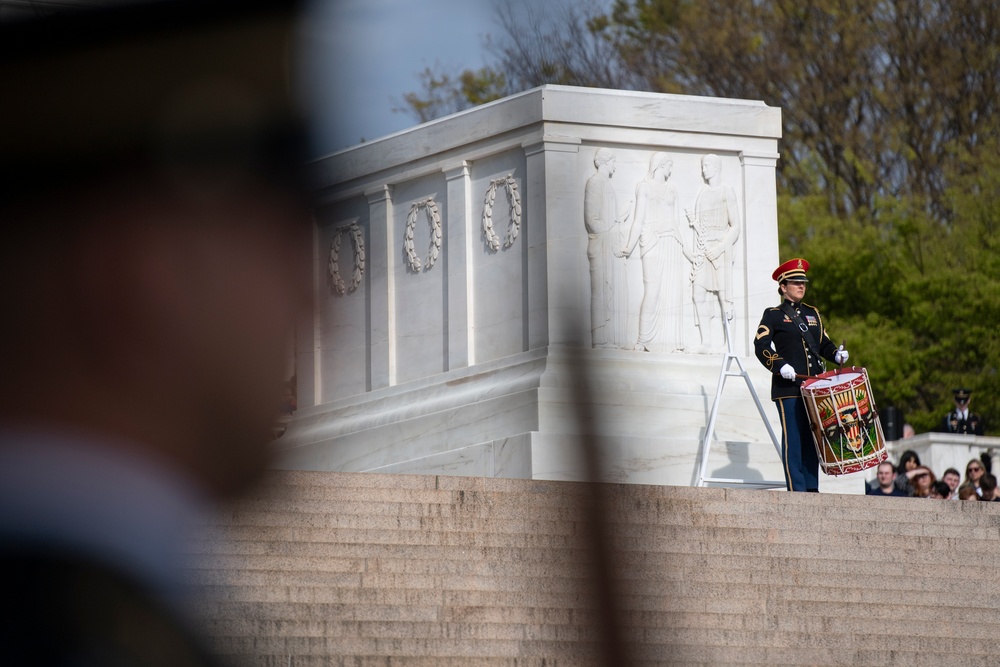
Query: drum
844, 421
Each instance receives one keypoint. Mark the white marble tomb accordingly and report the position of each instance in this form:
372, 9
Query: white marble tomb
468, 270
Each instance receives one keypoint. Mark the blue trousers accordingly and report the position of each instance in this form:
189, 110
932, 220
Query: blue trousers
798, 453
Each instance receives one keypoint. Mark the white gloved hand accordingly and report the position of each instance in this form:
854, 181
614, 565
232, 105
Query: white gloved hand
841, 355
787, 372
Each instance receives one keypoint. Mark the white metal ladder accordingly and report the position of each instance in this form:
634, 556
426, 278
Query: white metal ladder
727, 363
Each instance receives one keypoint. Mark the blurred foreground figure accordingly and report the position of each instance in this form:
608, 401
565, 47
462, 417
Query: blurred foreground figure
152, 223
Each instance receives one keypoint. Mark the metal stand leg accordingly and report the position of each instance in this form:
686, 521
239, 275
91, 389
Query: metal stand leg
726, 371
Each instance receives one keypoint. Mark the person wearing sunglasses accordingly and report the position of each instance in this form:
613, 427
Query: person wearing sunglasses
974, 472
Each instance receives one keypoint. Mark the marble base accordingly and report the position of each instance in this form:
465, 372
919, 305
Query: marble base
528, 416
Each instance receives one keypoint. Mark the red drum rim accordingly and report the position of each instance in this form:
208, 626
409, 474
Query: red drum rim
854, 371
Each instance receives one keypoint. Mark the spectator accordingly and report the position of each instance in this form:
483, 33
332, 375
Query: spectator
967, 492
953, 479
923, 481
973, 473
885, 480
941, 491
988, 487
908, 431
908, 463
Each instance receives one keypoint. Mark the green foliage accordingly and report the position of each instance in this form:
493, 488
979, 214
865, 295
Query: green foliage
917, 300
482, 86
443, 93
889, 180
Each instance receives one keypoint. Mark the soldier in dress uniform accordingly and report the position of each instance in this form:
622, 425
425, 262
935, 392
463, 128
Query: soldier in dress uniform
961, 419
155, 219
791, 343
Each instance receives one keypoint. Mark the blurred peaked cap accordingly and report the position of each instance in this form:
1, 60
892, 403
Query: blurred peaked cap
793, 269
962, 393
161, 83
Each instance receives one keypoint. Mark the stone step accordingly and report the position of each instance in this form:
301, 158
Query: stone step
453, 639
846, 620
363, 569
683, 646
471, 648
402, 661
512, 523
668, 594
458, 631
654, 501
666, 508
774, 543
266, 595
845, 657
727, 549
339, 529
911, 518
457, 573
640, 501
414, 538
801, 616
749, 593
450, 638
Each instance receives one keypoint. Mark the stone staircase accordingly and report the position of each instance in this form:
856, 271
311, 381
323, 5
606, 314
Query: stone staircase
404, 570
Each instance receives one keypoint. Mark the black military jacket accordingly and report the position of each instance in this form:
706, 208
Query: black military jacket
971, 426
779, 342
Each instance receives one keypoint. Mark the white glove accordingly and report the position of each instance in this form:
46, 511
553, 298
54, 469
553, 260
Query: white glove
841, 355
787, 372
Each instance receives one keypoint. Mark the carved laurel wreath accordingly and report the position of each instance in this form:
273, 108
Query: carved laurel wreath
513, 200
358, 244
434, 217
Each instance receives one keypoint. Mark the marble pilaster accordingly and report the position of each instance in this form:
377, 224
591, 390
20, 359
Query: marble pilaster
382, 302
459, 236
761, 250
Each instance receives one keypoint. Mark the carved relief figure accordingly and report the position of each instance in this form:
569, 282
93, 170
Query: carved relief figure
656, 228
608, 296
716, 223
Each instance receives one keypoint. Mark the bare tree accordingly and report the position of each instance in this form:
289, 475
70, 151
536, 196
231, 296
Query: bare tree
878, 96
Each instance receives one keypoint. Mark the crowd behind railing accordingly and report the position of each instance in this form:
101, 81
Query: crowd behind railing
912, 479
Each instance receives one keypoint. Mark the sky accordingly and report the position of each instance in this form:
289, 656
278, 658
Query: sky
362, 55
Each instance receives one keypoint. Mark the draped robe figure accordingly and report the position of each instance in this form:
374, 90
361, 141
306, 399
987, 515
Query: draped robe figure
656, 228
608, 296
